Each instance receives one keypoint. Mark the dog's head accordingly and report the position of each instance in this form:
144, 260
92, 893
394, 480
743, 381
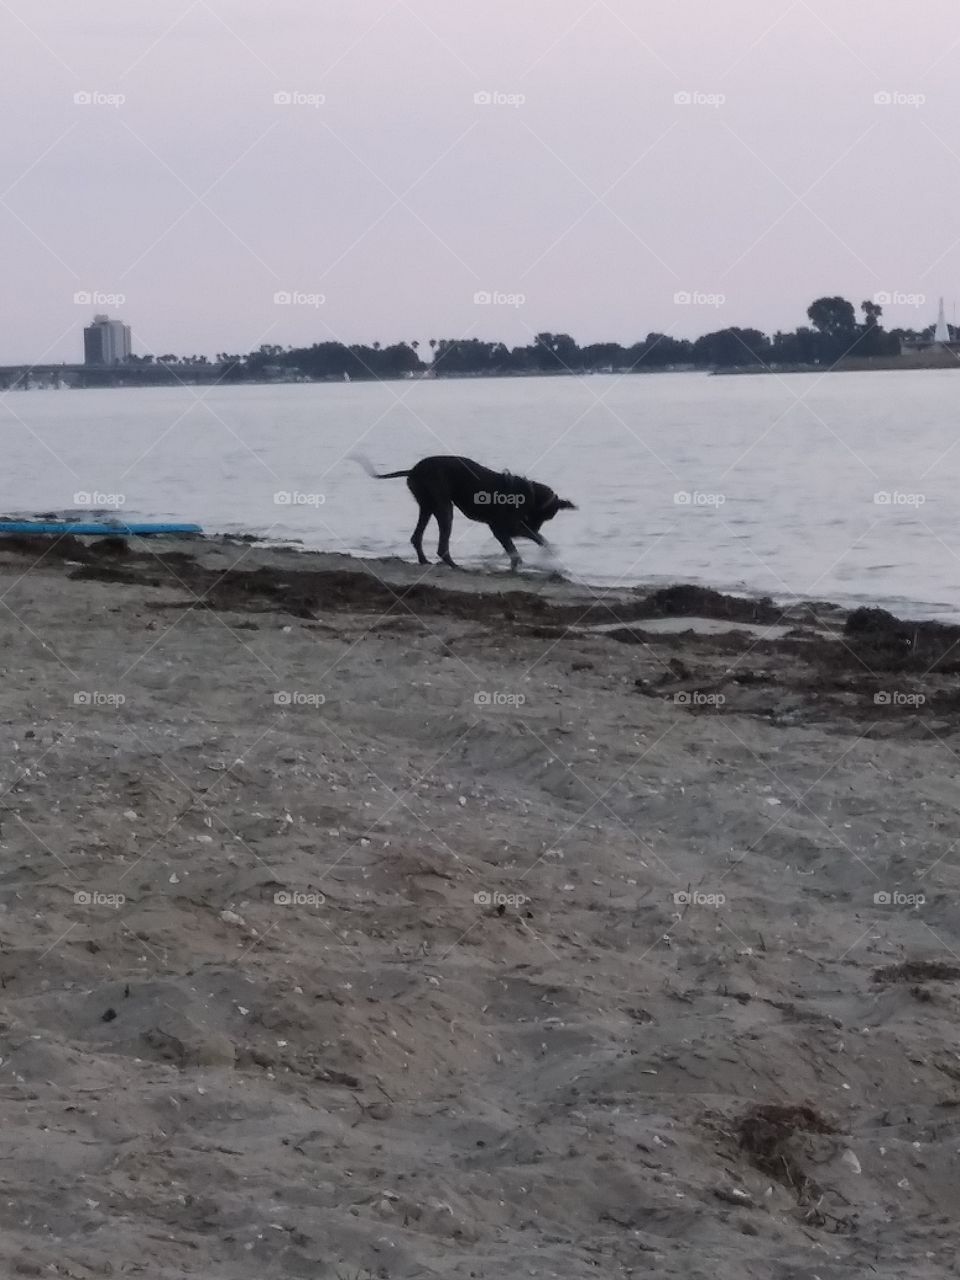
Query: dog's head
548, 504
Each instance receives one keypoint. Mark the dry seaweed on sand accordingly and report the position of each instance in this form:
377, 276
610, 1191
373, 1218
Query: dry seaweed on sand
884, 642
917, 971
767, 1133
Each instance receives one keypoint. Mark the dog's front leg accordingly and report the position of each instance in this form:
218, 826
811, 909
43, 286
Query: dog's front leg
507, 543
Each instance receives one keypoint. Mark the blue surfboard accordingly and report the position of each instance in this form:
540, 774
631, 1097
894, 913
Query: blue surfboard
90, 527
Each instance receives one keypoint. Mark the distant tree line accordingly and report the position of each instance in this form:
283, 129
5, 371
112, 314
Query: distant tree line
834, 333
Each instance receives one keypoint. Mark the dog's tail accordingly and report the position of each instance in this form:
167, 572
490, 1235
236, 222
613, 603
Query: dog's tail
371, 470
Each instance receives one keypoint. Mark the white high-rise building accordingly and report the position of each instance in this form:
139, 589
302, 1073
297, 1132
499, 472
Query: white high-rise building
106, 341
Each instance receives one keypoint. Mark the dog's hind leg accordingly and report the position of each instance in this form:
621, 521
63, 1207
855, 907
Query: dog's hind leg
417, 538
444, 514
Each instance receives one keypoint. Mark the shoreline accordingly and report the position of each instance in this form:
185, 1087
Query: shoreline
877, 364
222, 550
221, 547
858, 651
534, 578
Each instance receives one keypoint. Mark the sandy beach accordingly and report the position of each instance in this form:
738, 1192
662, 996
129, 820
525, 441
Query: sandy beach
365, 921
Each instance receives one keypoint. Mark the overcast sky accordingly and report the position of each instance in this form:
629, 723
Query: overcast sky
584, 187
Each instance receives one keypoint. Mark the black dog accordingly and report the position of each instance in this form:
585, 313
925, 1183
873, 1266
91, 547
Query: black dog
512, 506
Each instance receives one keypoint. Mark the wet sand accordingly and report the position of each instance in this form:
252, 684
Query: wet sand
366, 921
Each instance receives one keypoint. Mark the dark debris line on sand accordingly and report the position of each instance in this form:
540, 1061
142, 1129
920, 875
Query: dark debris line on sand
918, 971
824, 665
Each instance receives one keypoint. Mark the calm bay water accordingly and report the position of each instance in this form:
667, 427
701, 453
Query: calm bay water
772, 485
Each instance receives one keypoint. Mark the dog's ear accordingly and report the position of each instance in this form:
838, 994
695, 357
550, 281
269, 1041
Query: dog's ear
564, 505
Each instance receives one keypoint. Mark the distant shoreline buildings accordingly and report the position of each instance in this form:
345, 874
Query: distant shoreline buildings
106, 341
833, 340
